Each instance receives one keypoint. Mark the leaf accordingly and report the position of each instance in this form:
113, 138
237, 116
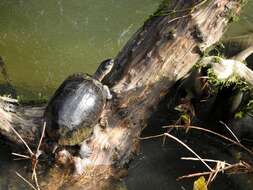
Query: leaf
185, 118
200, 184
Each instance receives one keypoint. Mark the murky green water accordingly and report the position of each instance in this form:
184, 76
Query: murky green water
42, 42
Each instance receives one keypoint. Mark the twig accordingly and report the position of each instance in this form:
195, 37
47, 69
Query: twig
41, 137
31, 185
20, 155
34, 174
34, 168
188, 148
28, 148
219, 167
245, 166
151, 137
16, 159
211, 132
36, 180
206, 160
33, 157
231, 132
193, 175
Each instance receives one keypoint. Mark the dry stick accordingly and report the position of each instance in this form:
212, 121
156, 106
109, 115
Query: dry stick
232, 133
34, 169
151, 137
167, 134
188, 148
17, 159
31, 185
219, 165
212, 132
34, 174
36, 180
28, 148
193, 175
20, 155
240, 164
206, 160
213, 175
41, 137
38, 149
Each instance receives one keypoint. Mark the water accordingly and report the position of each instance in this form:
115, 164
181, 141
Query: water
158, 166
244, 25
42, 42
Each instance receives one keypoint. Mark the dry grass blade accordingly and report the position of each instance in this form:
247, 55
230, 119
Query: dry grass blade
211, 132
17, 159
20, 155
33, 157
206, 160
219, 168
41, 137
220, 165
241, 166
34, 168
193, 175
151, 137
231, 132
28, 148
25, 180
188, 148
167, 134
34, 174
36, 180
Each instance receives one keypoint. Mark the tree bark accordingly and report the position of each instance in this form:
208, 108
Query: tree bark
160, 53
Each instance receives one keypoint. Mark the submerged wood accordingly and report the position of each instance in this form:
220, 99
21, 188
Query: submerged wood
160, 53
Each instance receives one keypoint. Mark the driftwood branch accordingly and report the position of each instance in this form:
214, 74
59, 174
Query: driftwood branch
27, 120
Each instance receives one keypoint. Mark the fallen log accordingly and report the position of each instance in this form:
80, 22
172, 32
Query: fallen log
160, 53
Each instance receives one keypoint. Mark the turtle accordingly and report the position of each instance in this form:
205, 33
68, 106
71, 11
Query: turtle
76, 106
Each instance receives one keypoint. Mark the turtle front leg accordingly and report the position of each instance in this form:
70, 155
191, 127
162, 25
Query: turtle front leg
103, 120
107, 92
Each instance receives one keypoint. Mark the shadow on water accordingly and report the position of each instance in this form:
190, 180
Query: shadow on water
158, 166
8, 178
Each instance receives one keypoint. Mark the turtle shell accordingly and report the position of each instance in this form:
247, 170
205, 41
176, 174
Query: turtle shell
74, 109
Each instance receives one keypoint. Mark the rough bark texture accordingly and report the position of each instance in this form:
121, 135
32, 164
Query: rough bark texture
26, 120
161, 52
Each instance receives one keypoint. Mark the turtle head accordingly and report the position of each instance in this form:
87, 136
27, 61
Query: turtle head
108, 64
104, 68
